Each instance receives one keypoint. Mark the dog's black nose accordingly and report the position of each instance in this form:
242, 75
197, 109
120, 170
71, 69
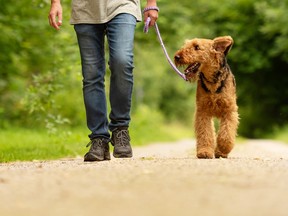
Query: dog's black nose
177, 57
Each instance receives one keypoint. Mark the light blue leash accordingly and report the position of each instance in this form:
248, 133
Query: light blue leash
146, 27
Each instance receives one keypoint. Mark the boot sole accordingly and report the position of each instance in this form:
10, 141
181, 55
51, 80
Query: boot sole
91, 157
122, 155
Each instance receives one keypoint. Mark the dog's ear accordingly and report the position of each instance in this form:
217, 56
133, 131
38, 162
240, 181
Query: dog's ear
223, 44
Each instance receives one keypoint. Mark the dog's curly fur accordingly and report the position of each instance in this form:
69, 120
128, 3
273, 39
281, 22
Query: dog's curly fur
206, 63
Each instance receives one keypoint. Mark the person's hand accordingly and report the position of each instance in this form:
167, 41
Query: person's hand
153, 14
55, 15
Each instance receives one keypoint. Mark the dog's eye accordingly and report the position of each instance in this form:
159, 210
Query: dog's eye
196, 47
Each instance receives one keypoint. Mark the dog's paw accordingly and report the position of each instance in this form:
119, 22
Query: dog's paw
204, 154
219, 154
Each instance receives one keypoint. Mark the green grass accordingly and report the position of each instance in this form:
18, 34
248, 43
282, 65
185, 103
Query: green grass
19, 144
26, 145
281, 135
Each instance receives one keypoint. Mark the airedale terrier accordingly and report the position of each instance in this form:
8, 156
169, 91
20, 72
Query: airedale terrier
215, 96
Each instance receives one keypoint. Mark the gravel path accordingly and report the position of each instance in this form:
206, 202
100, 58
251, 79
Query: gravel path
161, 179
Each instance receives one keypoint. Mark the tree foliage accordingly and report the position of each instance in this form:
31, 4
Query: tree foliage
40, 69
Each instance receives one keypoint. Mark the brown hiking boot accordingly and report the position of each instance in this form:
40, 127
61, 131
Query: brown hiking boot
99, 150
121, 142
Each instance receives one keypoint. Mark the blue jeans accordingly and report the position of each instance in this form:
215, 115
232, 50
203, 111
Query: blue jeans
120, 36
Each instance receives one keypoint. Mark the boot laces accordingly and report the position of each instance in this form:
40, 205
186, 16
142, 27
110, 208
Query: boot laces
122, 137
95, 142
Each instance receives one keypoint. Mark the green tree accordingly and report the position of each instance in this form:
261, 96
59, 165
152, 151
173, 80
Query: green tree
41, 66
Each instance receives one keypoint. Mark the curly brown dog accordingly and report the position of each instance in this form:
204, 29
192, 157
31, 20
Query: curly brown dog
216, 94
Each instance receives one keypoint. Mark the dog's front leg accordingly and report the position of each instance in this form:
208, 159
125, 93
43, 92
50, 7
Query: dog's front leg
205, 135
226, 134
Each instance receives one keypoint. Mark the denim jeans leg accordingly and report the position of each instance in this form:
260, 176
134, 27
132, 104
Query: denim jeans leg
91, 44
120, 35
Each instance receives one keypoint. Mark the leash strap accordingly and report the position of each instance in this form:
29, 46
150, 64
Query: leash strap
146, 27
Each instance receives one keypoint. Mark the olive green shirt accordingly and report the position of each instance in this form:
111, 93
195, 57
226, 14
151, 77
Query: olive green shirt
102, 11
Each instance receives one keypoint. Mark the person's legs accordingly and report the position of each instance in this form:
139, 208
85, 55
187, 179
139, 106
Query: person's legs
120, 35
91, 43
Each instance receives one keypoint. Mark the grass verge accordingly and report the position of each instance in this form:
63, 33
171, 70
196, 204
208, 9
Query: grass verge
281, 134
20, 144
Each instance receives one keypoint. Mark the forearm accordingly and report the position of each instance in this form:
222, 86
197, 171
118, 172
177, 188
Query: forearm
55, 1
151, 3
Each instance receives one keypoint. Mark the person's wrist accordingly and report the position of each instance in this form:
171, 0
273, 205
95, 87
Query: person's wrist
151, 8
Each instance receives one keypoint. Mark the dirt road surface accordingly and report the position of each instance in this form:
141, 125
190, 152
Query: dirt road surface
160, 180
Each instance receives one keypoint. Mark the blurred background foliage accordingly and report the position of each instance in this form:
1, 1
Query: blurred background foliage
40, 73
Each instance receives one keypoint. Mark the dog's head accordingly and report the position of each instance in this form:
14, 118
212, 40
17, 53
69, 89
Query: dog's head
203, 55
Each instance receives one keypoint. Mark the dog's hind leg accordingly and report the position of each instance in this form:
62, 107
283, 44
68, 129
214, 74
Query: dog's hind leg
226, 134
205, 136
